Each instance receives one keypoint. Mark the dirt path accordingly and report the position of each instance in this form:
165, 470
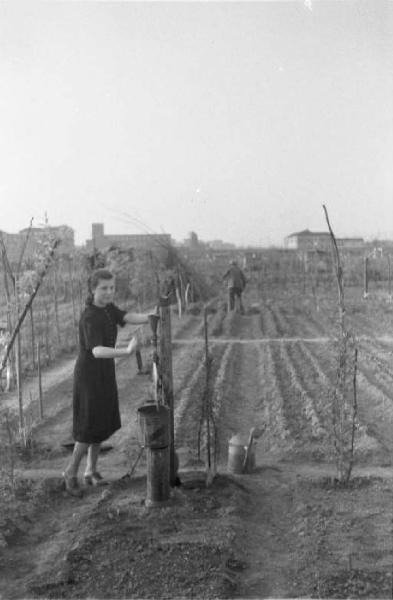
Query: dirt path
48, 539
302, 538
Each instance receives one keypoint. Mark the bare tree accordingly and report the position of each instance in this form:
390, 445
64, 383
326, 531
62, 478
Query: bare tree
7, 273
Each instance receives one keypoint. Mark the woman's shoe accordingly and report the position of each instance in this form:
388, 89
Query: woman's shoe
95, 479
72, 486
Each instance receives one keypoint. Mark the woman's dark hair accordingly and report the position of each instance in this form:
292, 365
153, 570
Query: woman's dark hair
94, 280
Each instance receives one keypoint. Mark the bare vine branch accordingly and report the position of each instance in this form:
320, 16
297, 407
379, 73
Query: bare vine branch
29, 302
339, 273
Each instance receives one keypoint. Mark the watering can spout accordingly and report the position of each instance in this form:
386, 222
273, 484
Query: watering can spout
256, 432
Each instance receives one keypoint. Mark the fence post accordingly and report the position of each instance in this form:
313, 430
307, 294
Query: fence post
154, 421
167, 378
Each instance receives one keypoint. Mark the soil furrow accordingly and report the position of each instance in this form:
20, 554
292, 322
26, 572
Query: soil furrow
268, 324
241, 395
374, 417
292, 394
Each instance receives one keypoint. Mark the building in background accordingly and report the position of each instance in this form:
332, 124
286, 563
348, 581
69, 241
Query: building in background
306, 241
138, 242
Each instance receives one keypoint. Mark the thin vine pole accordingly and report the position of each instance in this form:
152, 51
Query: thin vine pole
339, 276
344, 420
354, 415
207, 390
22, 428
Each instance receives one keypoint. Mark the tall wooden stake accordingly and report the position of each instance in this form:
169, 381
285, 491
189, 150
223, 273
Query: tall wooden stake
33, 356
365, 276
167, 378
207, 390
39, 382
19, 364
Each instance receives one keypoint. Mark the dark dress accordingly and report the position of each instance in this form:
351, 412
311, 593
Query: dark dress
96, 413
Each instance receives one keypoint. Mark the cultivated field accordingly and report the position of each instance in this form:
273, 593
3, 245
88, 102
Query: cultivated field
287, 529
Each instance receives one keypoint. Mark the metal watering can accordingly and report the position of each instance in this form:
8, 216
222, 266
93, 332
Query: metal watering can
241, 452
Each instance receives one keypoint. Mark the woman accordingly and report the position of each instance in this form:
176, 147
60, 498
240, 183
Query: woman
95, 399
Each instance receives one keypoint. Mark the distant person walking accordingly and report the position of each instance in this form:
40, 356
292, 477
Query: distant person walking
236, 284
95, 397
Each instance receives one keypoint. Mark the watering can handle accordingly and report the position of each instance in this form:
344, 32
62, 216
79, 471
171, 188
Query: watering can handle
248, 449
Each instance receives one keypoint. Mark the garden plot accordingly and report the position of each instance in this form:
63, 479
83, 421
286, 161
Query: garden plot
287, 529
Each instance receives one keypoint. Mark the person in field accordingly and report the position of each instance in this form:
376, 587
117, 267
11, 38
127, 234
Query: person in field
96, 413
236, 281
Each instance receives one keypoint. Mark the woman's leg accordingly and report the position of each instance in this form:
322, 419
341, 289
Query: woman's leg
92, 458
79, 452
241, 306
231, 293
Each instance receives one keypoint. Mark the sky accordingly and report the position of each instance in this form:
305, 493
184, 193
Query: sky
236, 120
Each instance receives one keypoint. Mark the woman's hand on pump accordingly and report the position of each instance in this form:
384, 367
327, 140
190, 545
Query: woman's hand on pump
133, 345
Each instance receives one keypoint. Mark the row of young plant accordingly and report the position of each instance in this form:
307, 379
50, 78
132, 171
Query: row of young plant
200, 393
277, 436
297, 390
300, 377
293, 397
190, 406
297, 404
376, 363
374, 397
223, 384
375, 381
